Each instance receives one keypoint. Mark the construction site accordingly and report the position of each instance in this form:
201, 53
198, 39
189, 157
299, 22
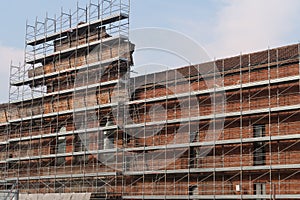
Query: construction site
79, 126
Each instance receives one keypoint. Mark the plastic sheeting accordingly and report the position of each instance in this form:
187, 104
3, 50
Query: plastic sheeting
11, 195
56, 196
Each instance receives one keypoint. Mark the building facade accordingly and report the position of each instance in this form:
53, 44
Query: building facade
79, 124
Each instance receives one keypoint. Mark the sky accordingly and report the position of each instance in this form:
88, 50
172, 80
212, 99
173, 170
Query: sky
222, 27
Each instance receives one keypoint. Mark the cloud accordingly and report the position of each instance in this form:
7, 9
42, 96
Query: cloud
251, 25
7, 55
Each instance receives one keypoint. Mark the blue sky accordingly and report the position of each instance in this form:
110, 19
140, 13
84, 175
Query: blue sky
171, 14
223, 27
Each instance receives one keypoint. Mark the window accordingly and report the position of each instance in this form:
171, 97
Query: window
106, 141
259, 189
61, 146
193, 190
82, 141
259, 151
259, 130
82, 145
108, 136
194, 156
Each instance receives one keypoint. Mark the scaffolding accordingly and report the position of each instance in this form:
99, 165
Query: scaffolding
77, 122
71, 63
